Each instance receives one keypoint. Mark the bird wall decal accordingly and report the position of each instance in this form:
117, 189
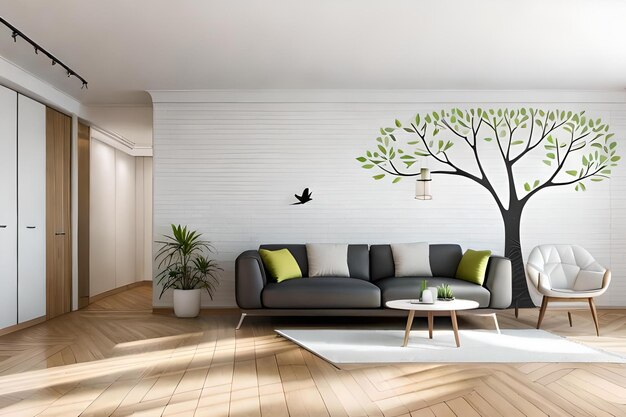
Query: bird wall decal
304, 198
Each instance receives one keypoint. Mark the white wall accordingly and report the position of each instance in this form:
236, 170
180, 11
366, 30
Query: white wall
102, 216
143, 199
125, 220
117, 231
228, 164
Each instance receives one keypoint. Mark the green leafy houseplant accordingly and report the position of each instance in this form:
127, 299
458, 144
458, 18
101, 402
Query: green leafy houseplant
184, 262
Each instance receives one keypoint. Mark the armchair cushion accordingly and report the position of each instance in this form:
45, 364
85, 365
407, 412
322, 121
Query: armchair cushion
588, 280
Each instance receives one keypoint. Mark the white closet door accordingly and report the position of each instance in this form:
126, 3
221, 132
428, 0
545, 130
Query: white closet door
31, 192
8, 207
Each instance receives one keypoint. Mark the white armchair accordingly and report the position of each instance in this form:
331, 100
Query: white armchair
565, 273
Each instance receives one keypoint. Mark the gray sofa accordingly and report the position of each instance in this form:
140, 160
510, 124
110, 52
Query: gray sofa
371, 284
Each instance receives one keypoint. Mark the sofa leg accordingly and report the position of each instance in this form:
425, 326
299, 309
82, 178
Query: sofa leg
495, 321
569, 316
243, 316
516, 309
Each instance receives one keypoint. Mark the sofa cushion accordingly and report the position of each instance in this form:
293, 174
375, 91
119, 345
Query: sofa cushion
358, 259
326, 292
411, 259
444, 260
328, 259
298, 252
409, 288
473, 266
280, 264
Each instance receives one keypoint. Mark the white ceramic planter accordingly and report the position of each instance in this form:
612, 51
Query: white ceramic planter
434, 291
187, 303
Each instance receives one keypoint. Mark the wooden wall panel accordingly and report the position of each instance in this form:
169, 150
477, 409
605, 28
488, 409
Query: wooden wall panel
58, 214
83, 215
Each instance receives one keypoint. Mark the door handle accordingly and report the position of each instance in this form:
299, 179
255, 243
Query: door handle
3, 226
30, 227
59, 234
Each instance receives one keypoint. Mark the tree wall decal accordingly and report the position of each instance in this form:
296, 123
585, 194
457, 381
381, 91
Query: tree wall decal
577, 148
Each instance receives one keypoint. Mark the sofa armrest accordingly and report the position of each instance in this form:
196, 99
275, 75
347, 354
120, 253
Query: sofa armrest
249, 280
499, 282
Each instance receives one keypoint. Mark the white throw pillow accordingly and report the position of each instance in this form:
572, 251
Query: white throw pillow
411, 259
328, 259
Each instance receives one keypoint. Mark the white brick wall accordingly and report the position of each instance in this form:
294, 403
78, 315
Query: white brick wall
228, 164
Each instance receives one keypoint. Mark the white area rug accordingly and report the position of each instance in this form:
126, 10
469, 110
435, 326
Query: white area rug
341, 346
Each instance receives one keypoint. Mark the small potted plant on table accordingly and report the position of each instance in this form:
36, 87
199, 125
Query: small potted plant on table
185, 267
444, 292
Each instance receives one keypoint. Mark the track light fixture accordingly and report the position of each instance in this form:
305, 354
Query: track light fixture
15, 33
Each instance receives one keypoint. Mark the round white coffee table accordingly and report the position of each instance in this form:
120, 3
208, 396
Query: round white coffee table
440, 306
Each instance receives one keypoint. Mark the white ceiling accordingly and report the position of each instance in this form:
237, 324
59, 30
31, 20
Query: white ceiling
125, 47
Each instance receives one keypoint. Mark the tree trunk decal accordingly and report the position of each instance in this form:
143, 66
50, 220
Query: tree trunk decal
576, 148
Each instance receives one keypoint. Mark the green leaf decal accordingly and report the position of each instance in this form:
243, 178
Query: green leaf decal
379, 176
527, 186
397, 179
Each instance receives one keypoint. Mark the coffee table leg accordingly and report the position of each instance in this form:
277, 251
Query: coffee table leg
455, 327
409, 323
430, 325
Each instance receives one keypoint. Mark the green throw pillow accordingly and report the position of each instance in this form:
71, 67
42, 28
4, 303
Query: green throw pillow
281, 264
473, 266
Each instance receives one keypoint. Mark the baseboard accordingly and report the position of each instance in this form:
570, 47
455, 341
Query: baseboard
21, 326
118, 290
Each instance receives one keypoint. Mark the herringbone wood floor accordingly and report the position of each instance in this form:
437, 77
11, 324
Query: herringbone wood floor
100, 362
